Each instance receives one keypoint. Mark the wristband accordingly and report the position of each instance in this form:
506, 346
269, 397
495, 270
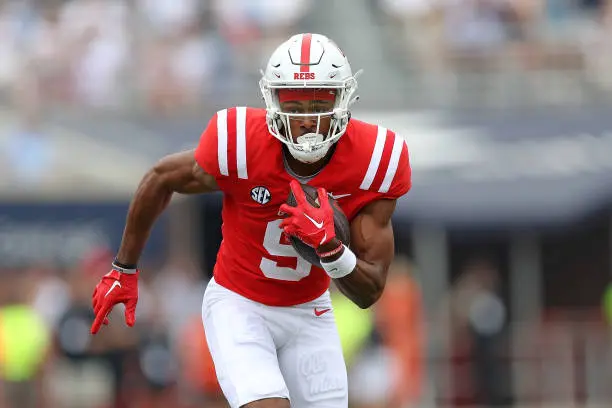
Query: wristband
122, 268
332, 252
342, 266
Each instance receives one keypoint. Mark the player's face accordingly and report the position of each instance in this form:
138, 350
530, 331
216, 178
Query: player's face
308, 124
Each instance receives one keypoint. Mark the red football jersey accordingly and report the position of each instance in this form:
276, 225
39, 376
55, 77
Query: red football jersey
256, 260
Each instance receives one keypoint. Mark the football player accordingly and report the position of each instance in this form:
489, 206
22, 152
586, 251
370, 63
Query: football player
267, 313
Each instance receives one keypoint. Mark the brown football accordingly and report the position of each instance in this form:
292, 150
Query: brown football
341, 224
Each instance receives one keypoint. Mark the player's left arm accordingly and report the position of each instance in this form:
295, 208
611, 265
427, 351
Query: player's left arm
362, 269
372, 243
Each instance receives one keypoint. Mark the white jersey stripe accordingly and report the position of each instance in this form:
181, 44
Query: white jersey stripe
222, 141
375, 160
241, 156
398, 145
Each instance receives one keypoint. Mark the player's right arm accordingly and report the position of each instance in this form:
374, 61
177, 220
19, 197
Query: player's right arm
175, 173
190, 172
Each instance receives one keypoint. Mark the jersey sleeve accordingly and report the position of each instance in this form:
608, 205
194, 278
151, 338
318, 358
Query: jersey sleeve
206, 153
388, 173
401, 180
221, 151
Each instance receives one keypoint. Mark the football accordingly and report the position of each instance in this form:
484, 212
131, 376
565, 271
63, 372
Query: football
341, 224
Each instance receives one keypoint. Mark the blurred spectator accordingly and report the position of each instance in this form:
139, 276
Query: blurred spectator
177, 69
400, 322
199, 382
253, 29
389, 369
421, 31
168, 18
13, 16
50, 295
488, 35
371, 382
598, 48
476, 25
157, 360
178, 57
49, 55
356, 330
480, 317
100, 30
354, 325
24, 344
180, 291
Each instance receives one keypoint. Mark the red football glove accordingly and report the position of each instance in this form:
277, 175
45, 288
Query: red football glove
115, 287
312, 225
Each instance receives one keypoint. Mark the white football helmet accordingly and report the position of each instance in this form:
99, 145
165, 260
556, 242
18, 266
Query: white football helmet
308, 61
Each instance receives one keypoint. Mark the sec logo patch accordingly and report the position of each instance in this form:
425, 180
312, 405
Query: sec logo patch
261, 195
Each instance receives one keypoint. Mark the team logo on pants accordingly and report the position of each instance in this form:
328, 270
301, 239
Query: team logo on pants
261, 195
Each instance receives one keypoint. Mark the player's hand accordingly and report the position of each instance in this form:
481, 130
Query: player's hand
115, 287
312, 225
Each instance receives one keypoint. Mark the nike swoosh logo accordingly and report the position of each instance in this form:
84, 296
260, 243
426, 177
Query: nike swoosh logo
316, 224
318, 312
115, 284
336, 197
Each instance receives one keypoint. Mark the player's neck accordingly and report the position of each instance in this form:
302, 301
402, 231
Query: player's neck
307, 169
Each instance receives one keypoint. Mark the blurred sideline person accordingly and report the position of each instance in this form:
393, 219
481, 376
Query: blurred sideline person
24, 344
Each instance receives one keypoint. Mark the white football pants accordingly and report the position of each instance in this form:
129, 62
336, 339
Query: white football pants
263, 351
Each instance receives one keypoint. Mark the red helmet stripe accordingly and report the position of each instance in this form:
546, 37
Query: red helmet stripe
305, 54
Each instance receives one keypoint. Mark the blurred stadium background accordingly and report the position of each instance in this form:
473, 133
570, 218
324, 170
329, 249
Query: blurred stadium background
501, 292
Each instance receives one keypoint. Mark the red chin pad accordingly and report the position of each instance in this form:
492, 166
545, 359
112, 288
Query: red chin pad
306, 94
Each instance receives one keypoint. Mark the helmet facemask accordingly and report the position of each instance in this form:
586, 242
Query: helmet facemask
310, 147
